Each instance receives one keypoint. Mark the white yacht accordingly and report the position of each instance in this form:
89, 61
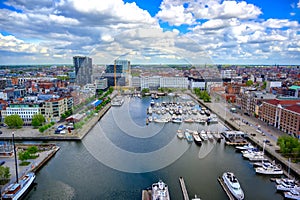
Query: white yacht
245, 147
233, 185
285, 184
160, 191
269, 168
180, 134
292, 194
16, 190
203, 135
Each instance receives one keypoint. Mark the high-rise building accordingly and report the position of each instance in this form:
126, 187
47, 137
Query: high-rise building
83, 69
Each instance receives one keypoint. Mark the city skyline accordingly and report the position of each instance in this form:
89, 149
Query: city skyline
161, 31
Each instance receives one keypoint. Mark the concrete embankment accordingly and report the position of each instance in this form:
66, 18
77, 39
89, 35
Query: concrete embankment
29, 134
271, 149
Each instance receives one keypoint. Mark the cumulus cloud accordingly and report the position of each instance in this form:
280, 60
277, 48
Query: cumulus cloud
105, 30
174, 14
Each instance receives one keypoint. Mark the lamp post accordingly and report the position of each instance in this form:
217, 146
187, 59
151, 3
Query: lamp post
16, 164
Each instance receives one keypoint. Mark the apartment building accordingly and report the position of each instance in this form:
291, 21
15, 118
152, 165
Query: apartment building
282, 114
54, 108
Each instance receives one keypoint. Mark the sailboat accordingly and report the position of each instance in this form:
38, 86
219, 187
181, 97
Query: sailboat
19, 188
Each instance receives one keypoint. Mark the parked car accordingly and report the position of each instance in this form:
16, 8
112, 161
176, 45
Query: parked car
61, 127
2, 162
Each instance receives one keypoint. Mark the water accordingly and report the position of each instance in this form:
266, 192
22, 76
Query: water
112, 163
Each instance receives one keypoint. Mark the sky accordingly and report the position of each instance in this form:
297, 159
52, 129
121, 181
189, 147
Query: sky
256, 32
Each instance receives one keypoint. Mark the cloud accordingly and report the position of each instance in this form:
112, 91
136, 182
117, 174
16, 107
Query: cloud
187, 12
174, 14
217, 31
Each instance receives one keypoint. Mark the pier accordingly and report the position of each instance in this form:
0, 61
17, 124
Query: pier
183, 188
225, 189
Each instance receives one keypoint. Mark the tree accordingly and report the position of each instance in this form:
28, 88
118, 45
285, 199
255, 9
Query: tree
249, 83
33, 149
4, 175
264, 85
37, 120
289, 146
13, 121
145, 90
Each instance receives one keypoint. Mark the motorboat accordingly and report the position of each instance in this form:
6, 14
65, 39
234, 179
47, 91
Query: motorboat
286, 180
269, 169
180, 134
285, 184
233, 185
160, 191
177, 120
217, 136
209, 135
188, 136
203, 135
162, 120
248, 146
197, 139
189, 120
292, 194
286, 187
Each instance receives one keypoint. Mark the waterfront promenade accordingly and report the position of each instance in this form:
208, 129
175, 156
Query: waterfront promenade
30, 134
238, 122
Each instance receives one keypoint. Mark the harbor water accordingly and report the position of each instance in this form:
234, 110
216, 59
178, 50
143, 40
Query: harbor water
122, 155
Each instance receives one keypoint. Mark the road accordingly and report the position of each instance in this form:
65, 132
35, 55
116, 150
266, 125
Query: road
258, 131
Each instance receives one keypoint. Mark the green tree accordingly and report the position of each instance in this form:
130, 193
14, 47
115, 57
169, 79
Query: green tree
23, 155
4, 175
33, 149
13, 121
37, 120
249, 83
289, 146
264, 85
145, 90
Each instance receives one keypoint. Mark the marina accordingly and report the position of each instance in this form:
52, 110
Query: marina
211, 157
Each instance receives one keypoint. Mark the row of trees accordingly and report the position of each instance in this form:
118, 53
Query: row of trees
15, 121
289, 147
202, 94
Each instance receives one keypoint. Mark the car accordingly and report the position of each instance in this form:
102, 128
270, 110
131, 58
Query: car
57, 131
61, 127
2, 162
266, 141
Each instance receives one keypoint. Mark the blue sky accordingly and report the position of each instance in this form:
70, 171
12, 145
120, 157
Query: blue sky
166, 31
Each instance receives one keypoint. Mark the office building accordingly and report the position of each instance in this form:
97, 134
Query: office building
83, 70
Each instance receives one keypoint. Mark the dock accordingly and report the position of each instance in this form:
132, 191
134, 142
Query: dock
183, 188
225, 189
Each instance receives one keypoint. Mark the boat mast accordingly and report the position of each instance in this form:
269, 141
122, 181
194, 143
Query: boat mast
16, 164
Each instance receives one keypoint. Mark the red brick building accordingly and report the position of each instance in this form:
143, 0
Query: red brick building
282, 114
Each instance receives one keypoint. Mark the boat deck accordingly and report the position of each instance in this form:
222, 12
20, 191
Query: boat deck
230, 196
